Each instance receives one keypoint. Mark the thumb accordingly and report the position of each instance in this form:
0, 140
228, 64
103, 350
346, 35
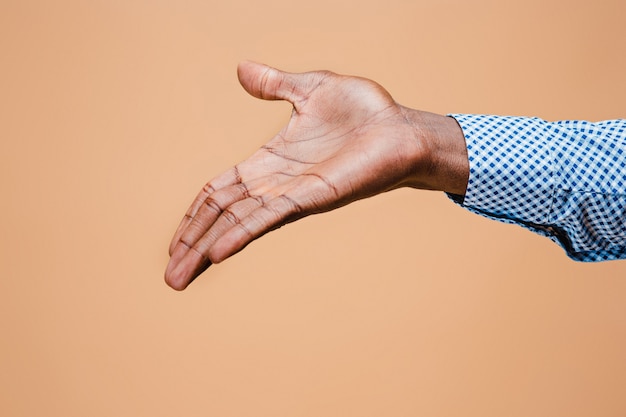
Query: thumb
269, 83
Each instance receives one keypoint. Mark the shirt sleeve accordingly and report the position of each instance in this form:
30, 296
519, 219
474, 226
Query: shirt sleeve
565, 180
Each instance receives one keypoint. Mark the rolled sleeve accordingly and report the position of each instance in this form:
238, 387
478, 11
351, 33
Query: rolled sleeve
564, 180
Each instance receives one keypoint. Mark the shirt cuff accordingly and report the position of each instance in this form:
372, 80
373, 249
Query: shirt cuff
518, 175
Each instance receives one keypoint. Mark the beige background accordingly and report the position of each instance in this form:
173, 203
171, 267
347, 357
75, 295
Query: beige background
114, 113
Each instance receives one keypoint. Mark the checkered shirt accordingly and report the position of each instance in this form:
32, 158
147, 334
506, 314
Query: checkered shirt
565, 180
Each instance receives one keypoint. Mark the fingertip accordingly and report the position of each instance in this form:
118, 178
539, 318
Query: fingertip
269, 83
173, 278
217, 253
244, 66
175, 284
184, 267
247, 72
179, 277
217, 257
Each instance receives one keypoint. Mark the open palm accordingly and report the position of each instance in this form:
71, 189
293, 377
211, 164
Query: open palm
347, 139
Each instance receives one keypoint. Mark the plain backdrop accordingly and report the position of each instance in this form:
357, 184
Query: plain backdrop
114, 113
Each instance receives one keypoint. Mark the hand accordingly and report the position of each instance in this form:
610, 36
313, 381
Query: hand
347, 139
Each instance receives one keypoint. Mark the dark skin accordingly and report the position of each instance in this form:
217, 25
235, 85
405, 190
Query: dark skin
347, 139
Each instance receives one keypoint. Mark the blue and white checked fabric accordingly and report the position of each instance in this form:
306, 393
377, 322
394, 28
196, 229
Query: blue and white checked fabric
565, 180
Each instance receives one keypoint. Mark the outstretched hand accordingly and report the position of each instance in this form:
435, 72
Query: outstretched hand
347, 139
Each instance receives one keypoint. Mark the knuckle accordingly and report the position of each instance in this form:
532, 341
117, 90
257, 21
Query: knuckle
208, 188
213, 205
231, 217
293, 206
246, 230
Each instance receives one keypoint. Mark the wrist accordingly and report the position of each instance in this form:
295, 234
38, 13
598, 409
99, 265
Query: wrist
444, 163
